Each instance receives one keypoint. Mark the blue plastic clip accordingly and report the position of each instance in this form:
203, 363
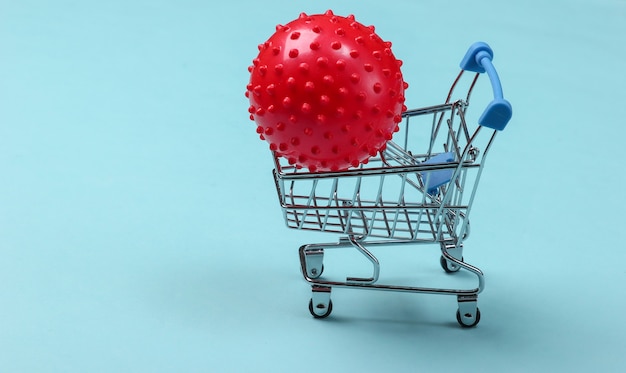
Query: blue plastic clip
435, 179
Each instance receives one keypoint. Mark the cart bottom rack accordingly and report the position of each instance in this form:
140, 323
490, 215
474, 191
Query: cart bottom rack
320, 305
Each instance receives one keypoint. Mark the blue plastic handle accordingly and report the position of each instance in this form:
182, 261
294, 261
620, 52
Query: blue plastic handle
499, 111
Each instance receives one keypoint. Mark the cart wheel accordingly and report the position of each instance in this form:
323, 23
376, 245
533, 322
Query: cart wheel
329, 309
448, 266
460, 319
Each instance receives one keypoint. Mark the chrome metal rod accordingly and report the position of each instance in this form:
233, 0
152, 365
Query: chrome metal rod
371, 285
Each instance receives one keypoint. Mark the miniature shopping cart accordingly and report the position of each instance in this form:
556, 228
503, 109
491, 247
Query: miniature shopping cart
420, 190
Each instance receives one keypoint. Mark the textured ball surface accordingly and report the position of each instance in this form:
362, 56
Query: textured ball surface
326, 92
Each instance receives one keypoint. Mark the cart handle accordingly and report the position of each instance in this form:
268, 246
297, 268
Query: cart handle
499, 111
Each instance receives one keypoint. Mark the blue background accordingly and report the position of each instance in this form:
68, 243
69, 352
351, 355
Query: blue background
139, 226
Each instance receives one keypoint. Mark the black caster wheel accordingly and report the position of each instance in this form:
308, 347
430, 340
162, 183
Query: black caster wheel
329, 309
471, 325
447, 266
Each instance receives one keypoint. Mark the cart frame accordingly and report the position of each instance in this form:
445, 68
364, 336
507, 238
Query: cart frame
402, 196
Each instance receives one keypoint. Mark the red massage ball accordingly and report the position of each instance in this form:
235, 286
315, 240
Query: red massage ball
326, 92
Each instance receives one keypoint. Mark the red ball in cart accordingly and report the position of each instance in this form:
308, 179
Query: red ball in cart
326, 92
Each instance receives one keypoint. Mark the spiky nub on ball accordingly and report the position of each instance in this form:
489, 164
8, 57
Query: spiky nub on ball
326, 92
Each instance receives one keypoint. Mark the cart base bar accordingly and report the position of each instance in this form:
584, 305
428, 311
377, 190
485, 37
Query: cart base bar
320, 306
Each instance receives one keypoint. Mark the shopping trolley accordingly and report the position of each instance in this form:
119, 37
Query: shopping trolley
419, 190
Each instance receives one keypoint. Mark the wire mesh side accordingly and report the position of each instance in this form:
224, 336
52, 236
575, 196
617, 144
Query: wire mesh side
385, 206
